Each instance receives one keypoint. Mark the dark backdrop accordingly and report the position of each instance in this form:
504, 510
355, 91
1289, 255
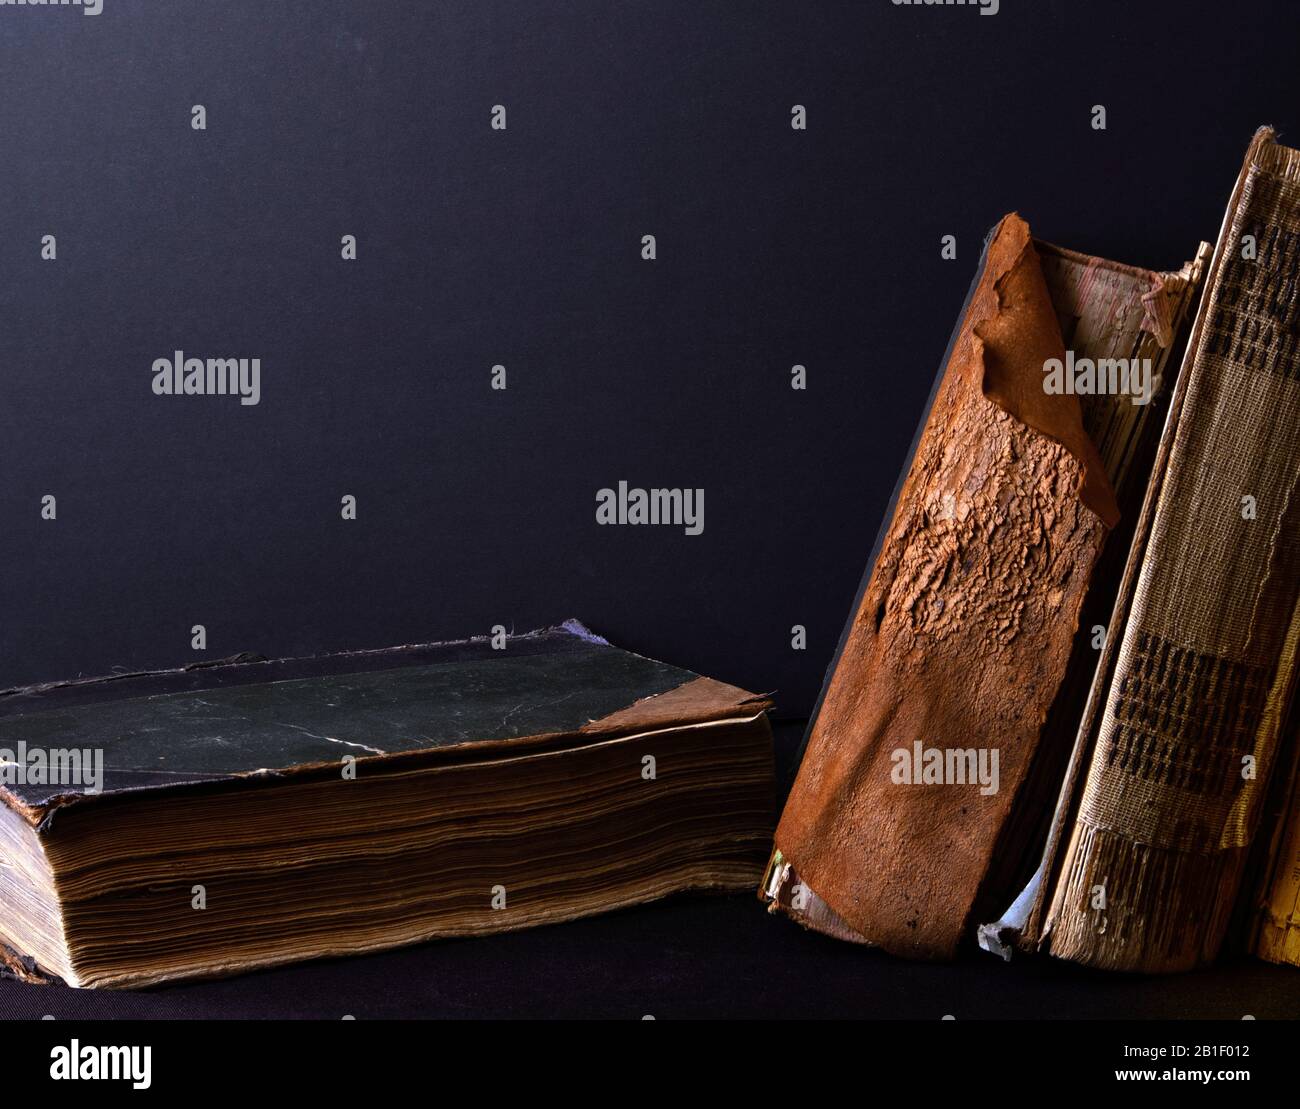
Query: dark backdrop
522, 247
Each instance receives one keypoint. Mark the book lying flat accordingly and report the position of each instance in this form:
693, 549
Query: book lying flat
947, 716
1184, 726
208, 821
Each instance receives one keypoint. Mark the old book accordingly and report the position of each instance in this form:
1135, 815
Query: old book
209, 821
947, 715
1153, 827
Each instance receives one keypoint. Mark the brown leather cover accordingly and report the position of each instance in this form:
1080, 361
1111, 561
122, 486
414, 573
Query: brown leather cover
964, 631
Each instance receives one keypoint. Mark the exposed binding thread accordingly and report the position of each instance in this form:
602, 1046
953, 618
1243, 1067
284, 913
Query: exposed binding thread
1164, 910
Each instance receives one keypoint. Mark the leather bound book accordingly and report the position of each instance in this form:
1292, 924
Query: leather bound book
207, 821
1183, 730
948, 713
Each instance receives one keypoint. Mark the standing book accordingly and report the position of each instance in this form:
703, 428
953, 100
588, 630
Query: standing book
947, 715
1184, 728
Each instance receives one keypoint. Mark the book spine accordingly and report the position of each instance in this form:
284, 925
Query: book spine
1205, 669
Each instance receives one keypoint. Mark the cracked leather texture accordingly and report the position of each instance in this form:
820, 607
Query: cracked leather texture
963, 634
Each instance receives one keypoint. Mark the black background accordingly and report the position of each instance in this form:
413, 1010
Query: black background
522, 247
478, 247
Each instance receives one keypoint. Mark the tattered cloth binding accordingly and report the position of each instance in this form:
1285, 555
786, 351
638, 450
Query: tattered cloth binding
943, 728
1182, 731
257, 813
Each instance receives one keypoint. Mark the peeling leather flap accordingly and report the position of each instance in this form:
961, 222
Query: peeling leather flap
1015, 342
